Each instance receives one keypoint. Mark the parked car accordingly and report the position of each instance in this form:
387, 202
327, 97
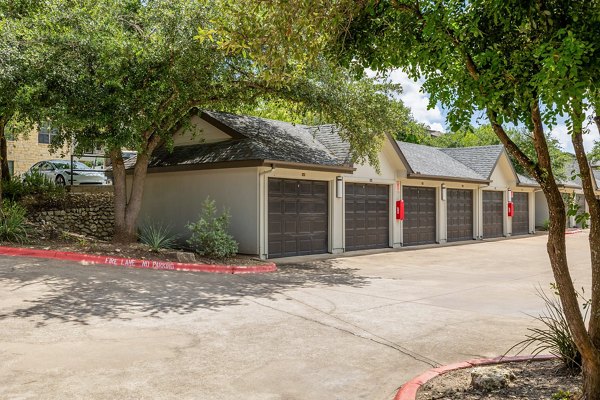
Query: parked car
60, 172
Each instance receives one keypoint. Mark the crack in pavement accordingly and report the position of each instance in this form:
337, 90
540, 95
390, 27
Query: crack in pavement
382, 341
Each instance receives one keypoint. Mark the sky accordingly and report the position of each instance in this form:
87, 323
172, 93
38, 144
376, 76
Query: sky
414, 98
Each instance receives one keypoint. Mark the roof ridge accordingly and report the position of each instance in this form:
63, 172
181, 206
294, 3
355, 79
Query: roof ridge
255, 117
473, 147
439, 149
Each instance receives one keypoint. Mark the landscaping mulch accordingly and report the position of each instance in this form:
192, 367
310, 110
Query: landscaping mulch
534, 380
44, 238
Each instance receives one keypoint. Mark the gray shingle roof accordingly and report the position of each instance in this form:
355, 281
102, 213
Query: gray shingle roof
572, 173
257, 139
433, 161
328, 135
526, 180
481, 159
277, 140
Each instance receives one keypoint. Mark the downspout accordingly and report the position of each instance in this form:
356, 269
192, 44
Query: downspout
262, 213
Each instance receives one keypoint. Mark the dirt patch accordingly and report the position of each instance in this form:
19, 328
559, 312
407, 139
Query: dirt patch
534, 380
44, 238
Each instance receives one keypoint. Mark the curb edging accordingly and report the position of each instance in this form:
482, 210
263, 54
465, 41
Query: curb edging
88, 259
408, 391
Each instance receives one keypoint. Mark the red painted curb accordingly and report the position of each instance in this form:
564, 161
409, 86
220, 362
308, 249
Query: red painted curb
409, 390
135, 263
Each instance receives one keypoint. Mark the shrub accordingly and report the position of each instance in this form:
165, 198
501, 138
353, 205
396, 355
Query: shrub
563, 395
554, 336
157, 236
209, 233
546, 224
13, 189
12, 222
32, 184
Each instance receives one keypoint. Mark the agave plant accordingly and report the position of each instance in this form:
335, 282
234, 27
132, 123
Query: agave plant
157, 236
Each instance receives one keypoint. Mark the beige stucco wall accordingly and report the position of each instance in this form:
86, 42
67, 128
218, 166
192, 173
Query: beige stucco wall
542, 213
26, 151
175, 198
198, 131
503, 178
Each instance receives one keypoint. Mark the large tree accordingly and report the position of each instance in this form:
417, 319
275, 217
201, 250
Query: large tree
521, 62
124, 74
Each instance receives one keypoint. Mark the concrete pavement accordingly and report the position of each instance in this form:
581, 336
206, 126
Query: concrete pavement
346, 328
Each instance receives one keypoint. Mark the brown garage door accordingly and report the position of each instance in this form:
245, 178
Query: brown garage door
493, 211
520, 219
460, 214
419, 215
367, 216
297, 217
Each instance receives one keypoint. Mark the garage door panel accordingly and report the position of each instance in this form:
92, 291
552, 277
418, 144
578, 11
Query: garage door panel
366, 216
520, 219
460, 214
419, 225
298, 217
493, 214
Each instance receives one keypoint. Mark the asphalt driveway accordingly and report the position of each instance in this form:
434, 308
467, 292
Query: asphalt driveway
347, 328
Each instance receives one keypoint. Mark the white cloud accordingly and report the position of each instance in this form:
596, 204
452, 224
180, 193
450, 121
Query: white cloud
561, 133
436, 126
413, 97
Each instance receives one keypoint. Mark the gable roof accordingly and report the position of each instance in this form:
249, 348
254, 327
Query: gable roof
329, 137
432, 162
481, 159
254, 142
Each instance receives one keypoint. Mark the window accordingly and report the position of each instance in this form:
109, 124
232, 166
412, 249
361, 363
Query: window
45, 167
11, 168
46, 133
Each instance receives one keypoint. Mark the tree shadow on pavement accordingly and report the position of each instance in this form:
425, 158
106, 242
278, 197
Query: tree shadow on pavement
74, 293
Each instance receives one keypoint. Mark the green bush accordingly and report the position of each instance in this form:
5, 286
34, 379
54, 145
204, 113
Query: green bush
209, 233
546, 224
12, 222
563, 395
157, 236
13, 189
32, 184
554, 336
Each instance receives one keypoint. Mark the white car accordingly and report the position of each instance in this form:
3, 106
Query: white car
60, 172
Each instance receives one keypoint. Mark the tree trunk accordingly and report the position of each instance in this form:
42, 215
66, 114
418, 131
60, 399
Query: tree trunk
556, 247
591, 380
4, 170
3, 122
127, 209
120, 200
587, 182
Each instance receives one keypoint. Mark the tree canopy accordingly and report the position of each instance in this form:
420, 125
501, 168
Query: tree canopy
526, 63
124, 74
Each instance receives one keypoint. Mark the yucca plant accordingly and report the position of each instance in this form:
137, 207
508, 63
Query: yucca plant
12, 222
554, 336
157, 236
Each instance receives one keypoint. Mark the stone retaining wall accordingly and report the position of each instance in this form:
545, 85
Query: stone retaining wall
90, 214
